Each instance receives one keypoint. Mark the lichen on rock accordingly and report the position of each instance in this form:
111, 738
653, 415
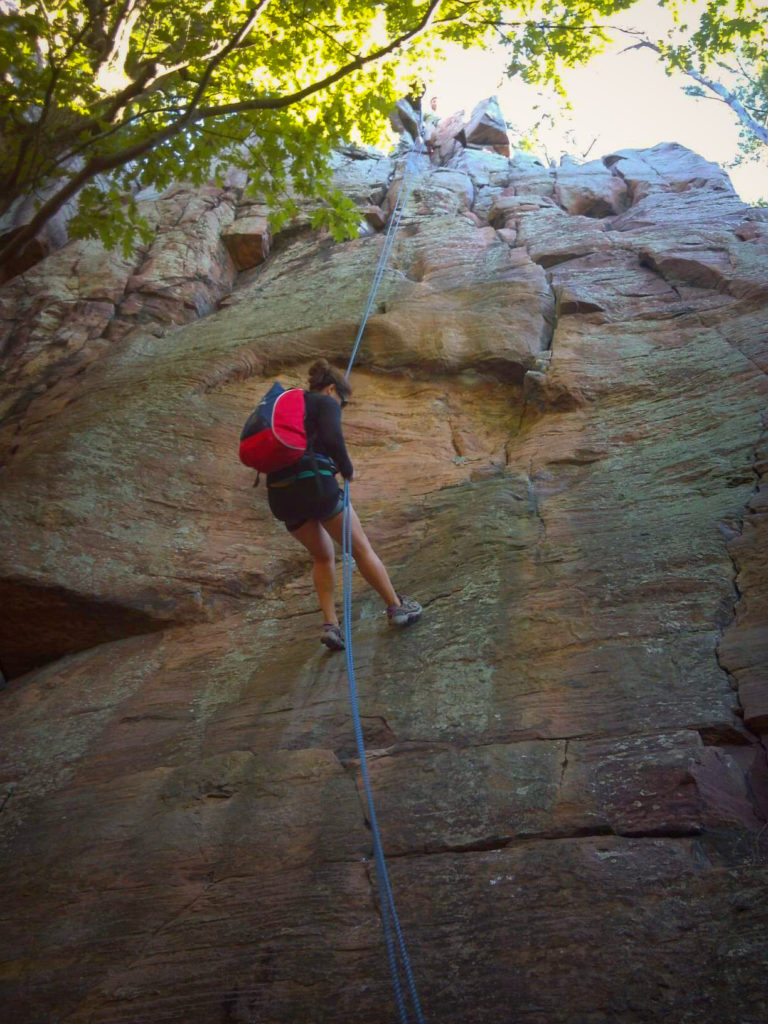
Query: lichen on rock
557, 435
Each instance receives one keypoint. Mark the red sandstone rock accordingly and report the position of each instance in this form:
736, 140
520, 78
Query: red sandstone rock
486, 125
668, 167
447, 148
548, 430
248, 241
376, 217
589, 189
744, 647
754, 694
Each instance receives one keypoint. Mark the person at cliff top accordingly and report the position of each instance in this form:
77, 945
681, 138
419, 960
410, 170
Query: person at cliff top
430, 122
307, 498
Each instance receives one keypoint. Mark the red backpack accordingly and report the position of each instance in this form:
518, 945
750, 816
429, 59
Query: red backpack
274, 436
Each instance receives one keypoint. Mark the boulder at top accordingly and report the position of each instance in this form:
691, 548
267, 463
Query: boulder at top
590, 189
486, 125
248, 241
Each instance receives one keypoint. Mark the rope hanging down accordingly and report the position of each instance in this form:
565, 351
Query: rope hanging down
389, 238
390, 922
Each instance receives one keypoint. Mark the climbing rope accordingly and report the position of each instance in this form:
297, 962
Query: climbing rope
389, 238
393, 934
389, 919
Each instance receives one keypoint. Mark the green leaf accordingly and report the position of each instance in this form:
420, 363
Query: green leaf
181, 101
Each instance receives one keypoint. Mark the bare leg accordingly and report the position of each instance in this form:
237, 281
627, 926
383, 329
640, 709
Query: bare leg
368, 562
320, 546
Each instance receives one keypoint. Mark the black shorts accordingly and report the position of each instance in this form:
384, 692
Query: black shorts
318, 498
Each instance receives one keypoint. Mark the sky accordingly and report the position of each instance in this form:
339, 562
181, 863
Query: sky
619, 100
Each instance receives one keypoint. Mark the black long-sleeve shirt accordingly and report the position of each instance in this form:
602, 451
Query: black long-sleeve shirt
322, 422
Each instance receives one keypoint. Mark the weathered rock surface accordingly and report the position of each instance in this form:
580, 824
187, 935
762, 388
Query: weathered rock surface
559, 449
486, 125
248, 241
589, 189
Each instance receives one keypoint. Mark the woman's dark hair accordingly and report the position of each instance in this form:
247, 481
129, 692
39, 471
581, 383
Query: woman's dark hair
321, 374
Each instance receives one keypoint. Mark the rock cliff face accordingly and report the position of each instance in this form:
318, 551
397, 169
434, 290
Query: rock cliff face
559, 436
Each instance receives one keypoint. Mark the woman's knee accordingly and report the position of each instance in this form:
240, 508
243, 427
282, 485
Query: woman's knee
323, 558
361, 546
322, 550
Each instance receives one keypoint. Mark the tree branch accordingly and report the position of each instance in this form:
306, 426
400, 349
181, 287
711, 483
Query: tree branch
328, 35
102, 164
723, 94
280, 102
732, 101
224, 52
72, 154
118, 39
152, 73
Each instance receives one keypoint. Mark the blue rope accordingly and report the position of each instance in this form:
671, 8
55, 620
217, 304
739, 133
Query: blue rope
389, 919
389, 238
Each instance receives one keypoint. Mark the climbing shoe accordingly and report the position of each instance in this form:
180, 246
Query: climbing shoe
405, 613
332, 637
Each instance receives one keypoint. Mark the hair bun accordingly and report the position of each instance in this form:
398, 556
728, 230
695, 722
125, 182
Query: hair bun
319, 374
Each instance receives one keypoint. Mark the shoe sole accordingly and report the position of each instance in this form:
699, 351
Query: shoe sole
407, 621
332, 645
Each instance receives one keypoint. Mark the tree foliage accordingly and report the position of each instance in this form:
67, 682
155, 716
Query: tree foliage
722, 46
98, 97
101, 97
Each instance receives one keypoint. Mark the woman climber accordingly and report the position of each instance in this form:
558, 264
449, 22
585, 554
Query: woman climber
307, 498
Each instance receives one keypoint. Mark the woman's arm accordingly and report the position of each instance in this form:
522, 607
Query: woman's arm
328, 437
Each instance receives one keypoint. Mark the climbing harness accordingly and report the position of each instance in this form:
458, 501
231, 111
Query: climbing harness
393, 935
